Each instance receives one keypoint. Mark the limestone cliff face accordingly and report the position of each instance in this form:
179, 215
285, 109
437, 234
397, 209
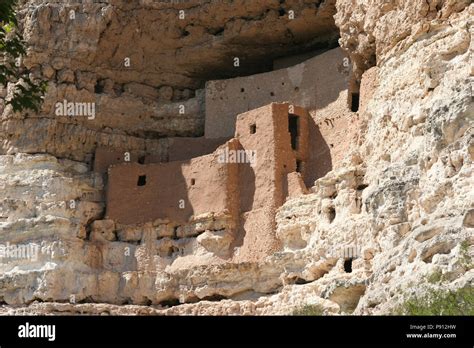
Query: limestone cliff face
374, 31
401, 204
139, 61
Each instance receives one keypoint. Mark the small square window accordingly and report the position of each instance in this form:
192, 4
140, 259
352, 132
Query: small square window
253, 128
141, 180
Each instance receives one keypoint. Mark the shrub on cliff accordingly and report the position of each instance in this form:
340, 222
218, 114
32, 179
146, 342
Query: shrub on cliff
308, 310
27, 93
439, 302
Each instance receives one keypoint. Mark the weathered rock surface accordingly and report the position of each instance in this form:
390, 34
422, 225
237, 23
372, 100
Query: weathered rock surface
142, 63
372, 31
401, 205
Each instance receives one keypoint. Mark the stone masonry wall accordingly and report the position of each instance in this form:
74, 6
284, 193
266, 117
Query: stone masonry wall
175, 191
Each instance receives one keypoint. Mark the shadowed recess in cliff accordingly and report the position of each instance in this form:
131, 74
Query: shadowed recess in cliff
216, 34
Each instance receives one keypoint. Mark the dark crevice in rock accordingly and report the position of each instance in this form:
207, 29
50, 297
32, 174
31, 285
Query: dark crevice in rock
214, 298
171, 302
302, 281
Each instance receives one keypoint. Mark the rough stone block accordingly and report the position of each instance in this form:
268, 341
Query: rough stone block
103, 230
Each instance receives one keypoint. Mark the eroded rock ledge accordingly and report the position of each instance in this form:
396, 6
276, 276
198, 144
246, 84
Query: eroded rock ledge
368, 234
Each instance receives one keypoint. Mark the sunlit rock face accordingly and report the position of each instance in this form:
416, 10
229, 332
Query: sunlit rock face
366, 236
140, 62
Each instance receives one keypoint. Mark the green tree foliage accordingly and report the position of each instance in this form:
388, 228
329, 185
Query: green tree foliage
28, 94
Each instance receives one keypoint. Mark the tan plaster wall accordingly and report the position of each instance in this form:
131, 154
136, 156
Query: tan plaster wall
275, 157
249, 194
257, 183
312, 84
368, 86
264, 188
296, 186
166, 185
181, 149
257, 235
332, 133
233, 185
178, 149
105, 157
322, 84
285, 156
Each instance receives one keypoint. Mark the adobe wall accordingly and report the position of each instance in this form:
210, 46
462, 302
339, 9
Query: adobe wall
181, 149
178, 149
296, 186
233, 184
249, 192
313, 84
368, 86
286, 157
257, 233
333, 126
105, 157
202, 184
264, 187
320, 85
332, 131
256, 183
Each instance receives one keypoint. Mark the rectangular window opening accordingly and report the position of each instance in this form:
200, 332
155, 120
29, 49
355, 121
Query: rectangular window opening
253, 128
141, 180
293, 127
355, 101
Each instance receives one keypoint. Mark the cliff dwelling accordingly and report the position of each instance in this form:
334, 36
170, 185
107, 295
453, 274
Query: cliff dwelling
236, 157
283, 130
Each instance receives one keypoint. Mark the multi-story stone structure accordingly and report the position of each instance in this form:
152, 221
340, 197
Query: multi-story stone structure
266, 139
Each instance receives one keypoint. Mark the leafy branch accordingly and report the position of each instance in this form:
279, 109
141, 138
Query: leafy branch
27, 93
